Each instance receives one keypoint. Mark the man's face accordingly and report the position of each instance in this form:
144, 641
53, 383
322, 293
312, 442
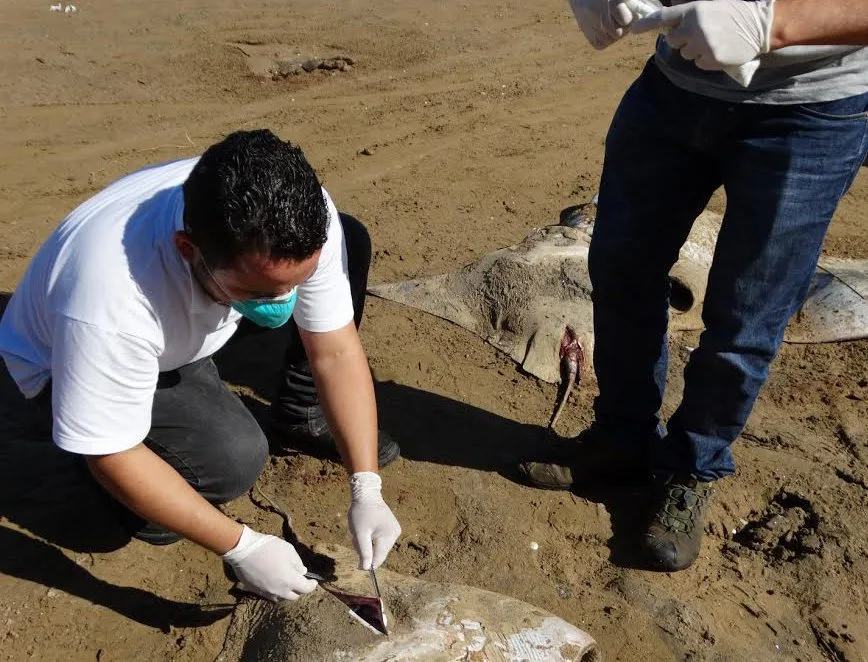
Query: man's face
251, 276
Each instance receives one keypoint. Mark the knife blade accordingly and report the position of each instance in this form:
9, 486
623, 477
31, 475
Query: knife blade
367, 610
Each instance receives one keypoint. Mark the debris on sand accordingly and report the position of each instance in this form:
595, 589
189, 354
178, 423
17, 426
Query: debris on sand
306, 65
786, 531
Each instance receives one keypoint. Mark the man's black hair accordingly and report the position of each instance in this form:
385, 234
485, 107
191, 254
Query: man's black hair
254, 193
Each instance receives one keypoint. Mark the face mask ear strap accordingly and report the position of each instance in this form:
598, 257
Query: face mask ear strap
283, 298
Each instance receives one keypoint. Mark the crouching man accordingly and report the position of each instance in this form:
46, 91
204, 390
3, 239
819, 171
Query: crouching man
117, 318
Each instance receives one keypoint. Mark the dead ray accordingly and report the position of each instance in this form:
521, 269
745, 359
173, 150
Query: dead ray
428, 621
521, 298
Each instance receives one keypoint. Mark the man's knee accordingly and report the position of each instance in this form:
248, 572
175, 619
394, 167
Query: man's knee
220, 458
240, 455
606, 266
623, 268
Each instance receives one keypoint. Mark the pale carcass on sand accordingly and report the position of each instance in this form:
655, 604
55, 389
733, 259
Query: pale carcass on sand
428, 622
522, 298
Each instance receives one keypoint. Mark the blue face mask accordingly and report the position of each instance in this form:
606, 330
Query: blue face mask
270, 313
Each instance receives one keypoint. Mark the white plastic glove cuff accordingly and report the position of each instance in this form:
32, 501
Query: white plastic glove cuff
365, 487
767, 36
371, 522
247, 543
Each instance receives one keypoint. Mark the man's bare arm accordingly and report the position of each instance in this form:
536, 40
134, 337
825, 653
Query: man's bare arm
152, 489
346, 393
843, 22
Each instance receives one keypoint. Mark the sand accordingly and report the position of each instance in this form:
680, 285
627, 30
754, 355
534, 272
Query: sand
456, 129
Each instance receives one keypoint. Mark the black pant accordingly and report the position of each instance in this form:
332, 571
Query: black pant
204, 431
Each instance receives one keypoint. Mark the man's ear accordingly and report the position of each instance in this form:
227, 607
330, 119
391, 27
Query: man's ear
185, 246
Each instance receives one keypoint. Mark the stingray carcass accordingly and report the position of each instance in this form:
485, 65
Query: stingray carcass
522, 298
428, 622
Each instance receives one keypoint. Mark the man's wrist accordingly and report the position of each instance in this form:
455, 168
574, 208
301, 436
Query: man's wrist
238, 548
363, 466
361, 457
777, 38
227, 537
787, 25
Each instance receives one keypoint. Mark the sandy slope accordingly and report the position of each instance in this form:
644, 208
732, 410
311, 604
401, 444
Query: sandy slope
481, 120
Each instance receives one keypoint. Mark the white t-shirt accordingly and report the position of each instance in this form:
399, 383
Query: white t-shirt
108, 303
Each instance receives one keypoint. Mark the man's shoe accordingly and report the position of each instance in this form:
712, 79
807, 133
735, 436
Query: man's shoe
312, 436
155, 535
588, 459
674, 535
138, 528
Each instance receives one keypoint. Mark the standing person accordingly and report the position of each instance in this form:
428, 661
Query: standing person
114, 324
785, 149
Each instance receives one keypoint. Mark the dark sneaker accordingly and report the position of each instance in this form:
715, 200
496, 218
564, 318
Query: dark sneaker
588, 459
141, 529
312, 436
674, 536
155, 535
136, 527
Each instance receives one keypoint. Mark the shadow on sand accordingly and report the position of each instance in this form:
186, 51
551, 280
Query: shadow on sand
433, 428
51, 504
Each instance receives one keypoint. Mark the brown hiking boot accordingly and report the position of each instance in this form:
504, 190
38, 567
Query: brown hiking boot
547, 475
585, 460
674, 536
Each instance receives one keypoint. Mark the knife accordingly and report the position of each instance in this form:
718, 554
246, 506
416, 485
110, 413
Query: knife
367, 610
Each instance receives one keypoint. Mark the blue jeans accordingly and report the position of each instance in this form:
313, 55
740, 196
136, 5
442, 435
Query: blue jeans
784, 169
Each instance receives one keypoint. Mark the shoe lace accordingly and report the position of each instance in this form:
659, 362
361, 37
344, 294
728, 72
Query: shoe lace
682, 505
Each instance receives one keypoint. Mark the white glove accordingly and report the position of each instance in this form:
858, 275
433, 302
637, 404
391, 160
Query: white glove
372, 524
715, 33
269, 566
603, 22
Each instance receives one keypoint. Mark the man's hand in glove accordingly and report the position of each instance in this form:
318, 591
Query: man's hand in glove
603, 22
715, 33
268, 566
372, 524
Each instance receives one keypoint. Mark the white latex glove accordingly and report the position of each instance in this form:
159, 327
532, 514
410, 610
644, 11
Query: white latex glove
715, 33
269, 566
603, 22
372, 524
